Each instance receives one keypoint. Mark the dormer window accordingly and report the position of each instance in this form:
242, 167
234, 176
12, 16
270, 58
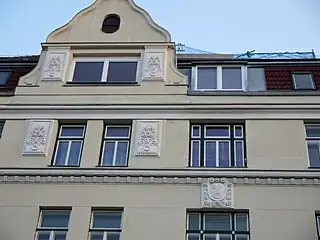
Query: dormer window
4, 77
303, 81
219, 78
109, 71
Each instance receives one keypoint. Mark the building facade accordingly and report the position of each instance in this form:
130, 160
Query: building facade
117, 134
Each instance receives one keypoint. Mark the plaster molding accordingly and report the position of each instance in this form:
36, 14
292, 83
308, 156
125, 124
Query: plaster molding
61, 178
217, 193
29, 78
55, 65
94, 5
148, 137
153, 66
37, 137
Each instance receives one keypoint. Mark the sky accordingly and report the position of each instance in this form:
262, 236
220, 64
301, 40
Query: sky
220, 26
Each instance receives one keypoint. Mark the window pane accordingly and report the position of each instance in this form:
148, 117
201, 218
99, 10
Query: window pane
193, 221
217, 131
113, 236
314, 154
120, 72
313, 131
210, 154
231, 78
45, 235
193, 236
224, 153
238, 133
118, 132
303, 81
61, 153
211, 236
107, 220
55, 219
75, 153
121, 156
241, 222
1, 128
4, 76
195, 153
242, 237
90, 72
207, 78
60, 235
72, 131
96, 236
108, 153
217, 221
239, 153
195, 131
225, 237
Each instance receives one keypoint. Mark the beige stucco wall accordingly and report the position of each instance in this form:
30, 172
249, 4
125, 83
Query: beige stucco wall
158, 211
271, 144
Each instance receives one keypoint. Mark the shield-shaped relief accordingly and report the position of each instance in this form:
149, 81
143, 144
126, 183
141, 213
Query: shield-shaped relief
217, 193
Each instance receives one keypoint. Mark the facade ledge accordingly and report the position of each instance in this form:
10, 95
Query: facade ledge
260, 93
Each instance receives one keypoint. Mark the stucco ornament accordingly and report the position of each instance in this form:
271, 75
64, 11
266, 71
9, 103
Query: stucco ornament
153, 66
217, 193
148, 138
53, 68
36, 141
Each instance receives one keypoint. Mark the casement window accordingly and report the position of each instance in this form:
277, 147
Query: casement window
112, 70
69, 145
1, 127
303, 81
115, 146
318, 224
4, 77
220, 78
217, 145
218, 226
53, 225
313, 144
105, 225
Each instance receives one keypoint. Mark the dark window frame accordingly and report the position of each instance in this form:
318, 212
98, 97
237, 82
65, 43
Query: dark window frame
317, 217
105, 230
2, 124
52, 230
294, 87
201, 232
231, 139
111, 23
104, 139
59, 138
105, 70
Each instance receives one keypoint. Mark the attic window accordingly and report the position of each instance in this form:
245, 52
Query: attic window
303, 81
4, 77
111, 23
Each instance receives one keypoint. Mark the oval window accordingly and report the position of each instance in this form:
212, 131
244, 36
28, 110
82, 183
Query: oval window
111, 23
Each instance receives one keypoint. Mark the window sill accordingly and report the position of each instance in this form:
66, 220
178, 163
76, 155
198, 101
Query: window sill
112, 167
217, 168
63, 166
72, 84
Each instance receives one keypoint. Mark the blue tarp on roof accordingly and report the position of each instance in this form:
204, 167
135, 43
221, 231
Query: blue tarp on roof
183, 49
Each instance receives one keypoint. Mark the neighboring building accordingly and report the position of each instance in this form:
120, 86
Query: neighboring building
117, 133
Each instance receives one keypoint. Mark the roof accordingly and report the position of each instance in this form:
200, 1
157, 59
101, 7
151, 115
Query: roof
32, 58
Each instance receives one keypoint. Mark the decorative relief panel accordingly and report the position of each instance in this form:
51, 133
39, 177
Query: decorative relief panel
37, 137
54, 66
148, 138
153, 66
217, 193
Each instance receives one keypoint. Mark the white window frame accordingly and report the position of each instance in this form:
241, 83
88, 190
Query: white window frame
311, 139
235, 151
115, 141
199, 150
105, 66
68, 139
220, 77
54, 229
217, 126
105, 230
301, 73
217, 151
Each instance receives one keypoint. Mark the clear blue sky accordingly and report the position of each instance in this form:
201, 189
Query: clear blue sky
223, 26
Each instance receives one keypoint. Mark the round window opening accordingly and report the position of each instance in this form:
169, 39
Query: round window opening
111, 23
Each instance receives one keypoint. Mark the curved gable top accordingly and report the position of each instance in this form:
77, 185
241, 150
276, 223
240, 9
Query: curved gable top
136, 25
